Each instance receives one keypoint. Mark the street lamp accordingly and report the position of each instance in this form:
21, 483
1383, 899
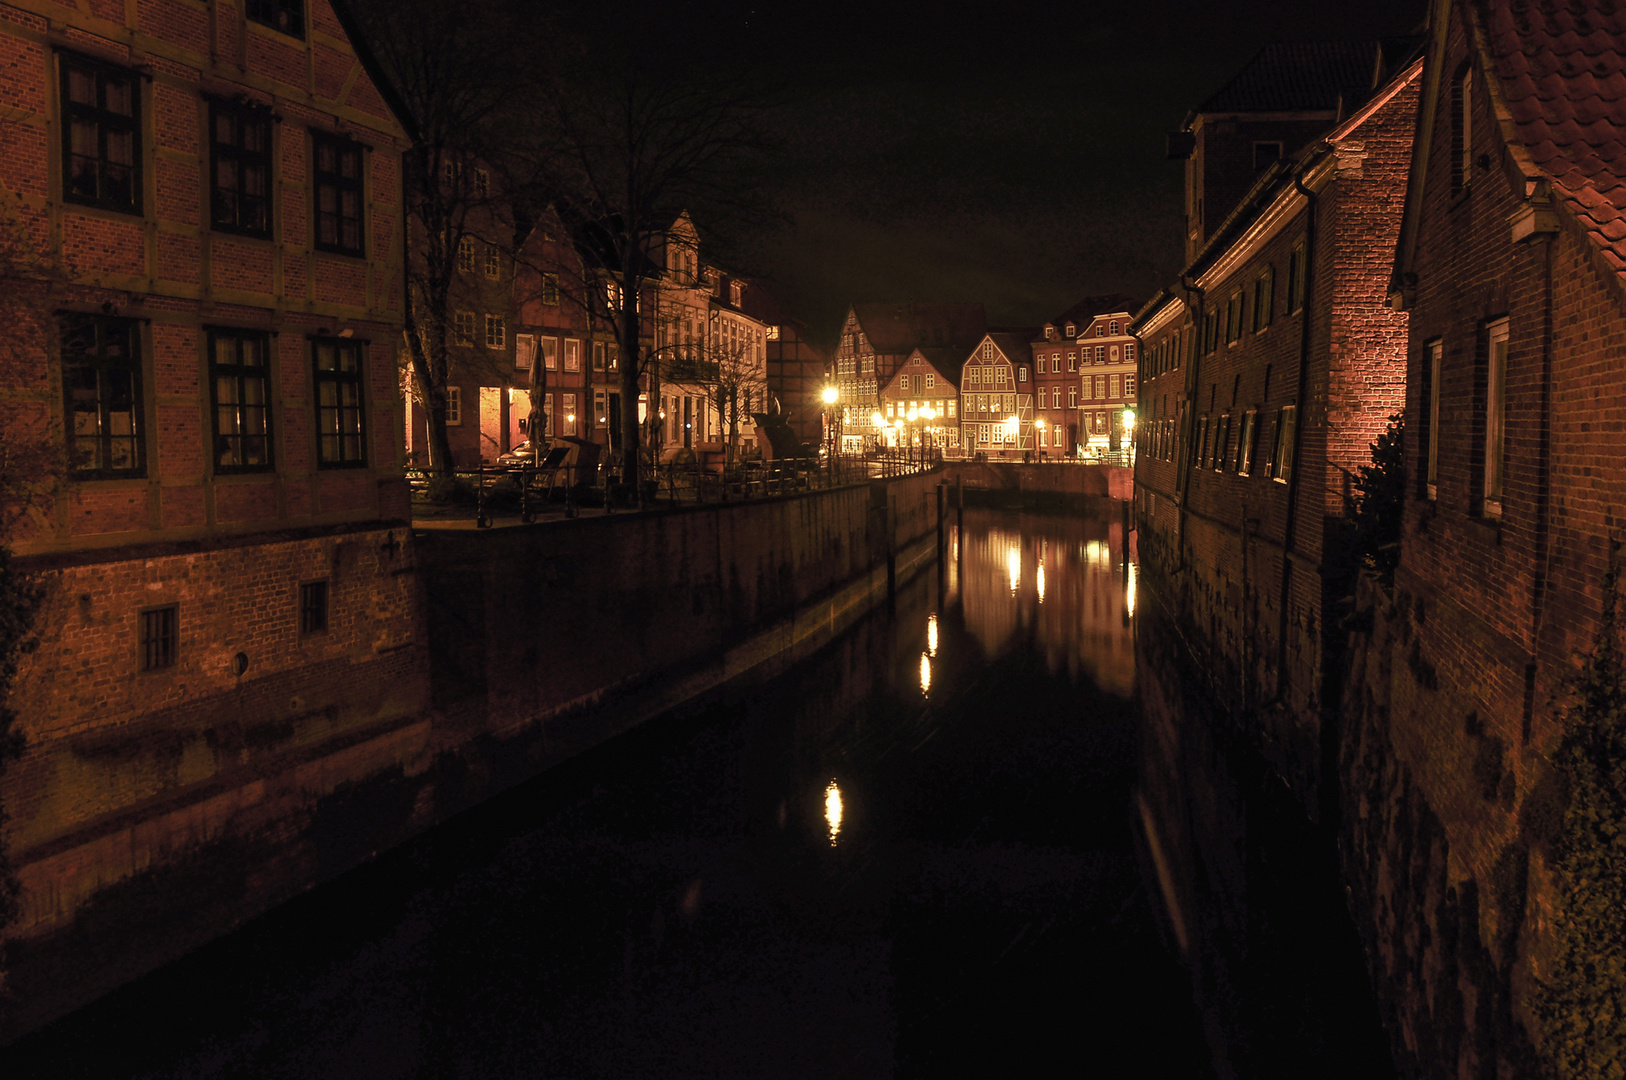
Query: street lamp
1129, 433
830, 395
930, 414
1038, 426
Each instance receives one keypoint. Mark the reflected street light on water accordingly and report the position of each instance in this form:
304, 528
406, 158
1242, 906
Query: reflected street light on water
925, 674
1013, 566
931, 635
832, 810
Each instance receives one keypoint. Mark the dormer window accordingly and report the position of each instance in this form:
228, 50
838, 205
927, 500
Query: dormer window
1050, 333
1072, 331
1114, 327
1100, 331
734, 293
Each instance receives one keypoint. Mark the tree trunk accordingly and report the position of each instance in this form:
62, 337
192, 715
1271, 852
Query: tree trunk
631, 361
433, 392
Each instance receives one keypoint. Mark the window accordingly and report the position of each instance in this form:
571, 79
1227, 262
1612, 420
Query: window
1431, 473
482, 184
454, 406
987, 350
1201, 449
951, 408
1233, 318
493, 263
1114, 328
573, 354
598, 356
1129, 351
567, 403
101, 135
550, 289
1022, 374
931, 380
1244, 443
338, 194
239, 370
313, 607
1462, 112
550, 354
285, 15
465, 254
463, 328
1495, 414
1222, 442
1263, 299
1100, 387
1266, 154
339, 440
101, 380
1282, 444
1072, 397
1072, 360
1072, 331
160, 637
1129, 386
1100, 330
240, 151
1112, 386
1295, 278
1100, 354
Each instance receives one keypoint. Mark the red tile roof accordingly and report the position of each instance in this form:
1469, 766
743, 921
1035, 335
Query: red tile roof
1562, 69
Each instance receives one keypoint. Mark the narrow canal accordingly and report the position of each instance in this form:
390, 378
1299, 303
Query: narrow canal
922, 852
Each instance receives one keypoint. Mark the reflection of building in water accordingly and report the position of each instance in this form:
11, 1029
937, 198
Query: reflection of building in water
1059, 581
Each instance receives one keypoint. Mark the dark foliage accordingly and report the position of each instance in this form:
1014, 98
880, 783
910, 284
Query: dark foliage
1380, 495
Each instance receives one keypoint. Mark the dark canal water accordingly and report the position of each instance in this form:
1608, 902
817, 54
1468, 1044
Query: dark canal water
949, 844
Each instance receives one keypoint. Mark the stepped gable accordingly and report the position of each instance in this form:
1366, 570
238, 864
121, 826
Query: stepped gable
1562, 74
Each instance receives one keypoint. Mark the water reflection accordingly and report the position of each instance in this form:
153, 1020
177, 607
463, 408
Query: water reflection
1064, 584
832, 810
926, 674
931, 634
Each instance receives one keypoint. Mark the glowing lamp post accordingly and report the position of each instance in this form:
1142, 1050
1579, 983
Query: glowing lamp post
1038, 426
830, 396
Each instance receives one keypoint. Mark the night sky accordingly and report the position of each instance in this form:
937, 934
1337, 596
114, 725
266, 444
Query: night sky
1013, 155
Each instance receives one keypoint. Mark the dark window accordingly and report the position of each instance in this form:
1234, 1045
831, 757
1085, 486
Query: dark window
1222, 442
160, 638
285, 15
1295, 278
1462, 143
1266, 154
100, 135
1264, 299
1233, 318
101, 380
313, 607
550, 289
239, 366
338, 195
240, 146
339, 440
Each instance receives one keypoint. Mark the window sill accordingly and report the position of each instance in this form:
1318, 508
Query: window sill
323, 249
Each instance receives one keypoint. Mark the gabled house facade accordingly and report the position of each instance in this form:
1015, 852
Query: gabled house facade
1511, 268
920, 405
996, 395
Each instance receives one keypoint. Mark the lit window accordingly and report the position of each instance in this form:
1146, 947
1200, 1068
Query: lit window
339, 417
573, 354
240, 379
101, 380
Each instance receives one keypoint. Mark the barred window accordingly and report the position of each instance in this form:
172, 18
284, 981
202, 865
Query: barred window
160, 637
312, 607
338, 194
101, 135
339, 417
101, 381
240, 375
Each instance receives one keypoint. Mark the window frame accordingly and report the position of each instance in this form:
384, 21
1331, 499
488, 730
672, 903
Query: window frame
1296, 272
338, 377
243, 115
314, 617
241, 373
454, 406
131, 365
499, 339
158, 651
1433, 354
1493, 466
263, 18
340, 184
105, 121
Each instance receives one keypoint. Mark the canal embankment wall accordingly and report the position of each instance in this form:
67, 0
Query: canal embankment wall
491, 656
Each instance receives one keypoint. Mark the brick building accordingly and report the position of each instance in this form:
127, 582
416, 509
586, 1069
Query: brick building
227, 563
1512, 269
1060, 354
996, 395
923, 394
876, 338
1266, 374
